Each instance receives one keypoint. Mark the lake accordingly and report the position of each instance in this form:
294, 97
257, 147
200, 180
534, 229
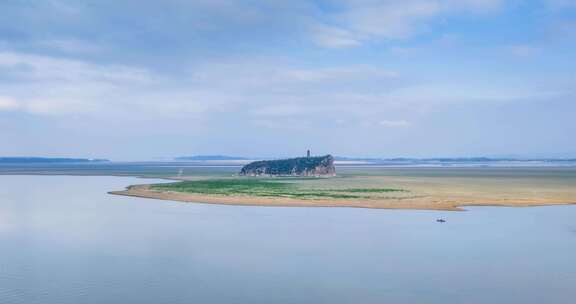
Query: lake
65, 240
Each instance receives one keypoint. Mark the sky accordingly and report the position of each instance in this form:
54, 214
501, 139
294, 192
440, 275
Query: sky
147, 80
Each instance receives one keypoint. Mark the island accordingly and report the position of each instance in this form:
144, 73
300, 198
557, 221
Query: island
300, 166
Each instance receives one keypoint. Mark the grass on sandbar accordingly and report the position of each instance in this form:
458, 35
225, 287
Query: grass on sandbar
266, 188
370, 190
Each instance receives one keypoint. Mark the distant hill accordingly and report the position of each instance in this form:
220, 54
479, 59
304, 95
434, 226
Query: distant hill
455, 161
34, 160
449, 159
300, 166
210, 157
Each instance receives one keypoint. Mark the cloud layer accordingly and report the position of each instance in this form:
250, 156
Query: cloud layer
227, 75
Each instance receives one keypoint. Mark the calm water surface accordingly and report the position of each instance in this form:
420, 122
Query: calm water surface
64, 240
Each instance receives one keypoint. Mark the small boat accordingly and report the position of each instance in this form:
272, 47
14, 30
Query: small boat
441, 220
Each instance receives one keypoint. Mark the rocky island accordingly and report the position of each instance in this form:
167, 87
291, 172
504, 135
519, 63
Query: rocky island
300, 166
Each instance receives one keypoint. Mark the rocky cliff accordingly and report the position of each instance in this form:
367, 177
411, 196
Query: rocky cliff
301, 166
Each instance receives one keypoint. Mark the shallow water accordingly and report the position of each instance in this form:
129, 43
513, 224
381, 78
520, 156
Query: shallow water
65, 240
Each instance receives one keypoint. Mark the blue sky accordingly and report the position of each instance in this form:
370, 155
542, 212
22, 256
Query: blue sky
127, 79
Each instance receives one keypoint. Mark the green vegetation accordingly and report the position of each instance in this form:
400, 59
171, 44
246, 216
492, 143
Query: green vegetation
370, 190
268, 188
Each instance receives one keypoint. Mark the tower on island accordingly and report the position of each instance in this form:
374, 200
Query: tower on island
308, 153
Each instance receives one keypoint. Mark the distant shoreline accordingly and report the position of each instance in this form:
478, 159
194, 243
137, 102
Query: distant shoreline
422, 203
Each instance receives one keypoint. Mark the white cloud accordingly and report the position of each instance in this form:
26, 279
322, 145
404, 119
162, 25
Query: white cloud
8, 103
395, 123
46, 85
265, 92
403, 51
524, 50
334, 37
287, 124
361, 21
60, 106
348, 23
563, 30
281, 110
438, 94
389, 19
473, 6
275, 76
561, 4
70, 45
45, 68
338, 73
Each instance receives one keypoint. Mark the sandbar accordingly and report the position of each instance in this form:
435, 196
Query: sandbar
426, 201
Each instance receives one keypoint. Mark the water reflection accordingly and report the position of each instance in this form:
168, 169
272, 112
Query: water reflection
64, 240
